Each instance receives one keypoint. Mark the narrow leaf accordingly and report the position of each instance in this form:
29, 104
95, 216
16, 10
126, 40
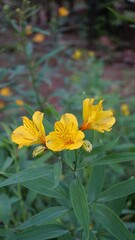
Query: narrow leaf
29, 49
118, 190
99, 149
43, 232
113, 158
28, 174
80, 205
44, 186
44, 217
28, 109
57, 173
50, 54
111, 222
95, 182
53, 111
117, 205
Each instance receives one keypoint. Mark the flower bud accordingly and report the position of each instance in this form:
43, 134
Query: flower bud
87, 146
38, 150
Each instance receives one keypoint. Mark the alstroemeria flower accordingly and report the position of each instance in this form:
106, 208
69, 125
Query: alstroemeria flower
66, 134
31, 132
95, 117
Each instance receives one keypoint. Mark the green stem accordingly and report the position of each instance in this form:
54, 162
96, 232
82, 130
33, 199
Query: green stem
29, 61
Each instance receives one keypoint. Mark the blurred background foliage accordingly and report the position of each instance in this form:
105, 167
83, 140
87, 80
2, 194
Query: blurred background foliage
59, 52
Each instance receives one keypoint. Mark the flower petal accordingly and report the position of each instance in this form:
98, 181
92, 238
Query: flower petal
38, 119
54, 142
23, 137
87, 108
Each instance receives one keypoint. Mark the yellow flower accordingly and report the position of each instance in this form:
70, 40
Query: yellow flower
2, 104
6, 92
38, 38
125, 109
95, 117
77, 55
63, 12
66, 134
31, 132
19, 102
91, 54
28, 30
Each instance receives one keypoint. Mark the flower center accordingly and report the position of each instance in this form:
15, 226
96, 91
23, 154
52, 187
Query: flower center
65, 133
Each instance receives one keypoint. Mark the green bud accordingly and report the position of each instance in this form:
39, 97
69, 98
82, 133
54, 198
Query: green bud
38, 150
87, 146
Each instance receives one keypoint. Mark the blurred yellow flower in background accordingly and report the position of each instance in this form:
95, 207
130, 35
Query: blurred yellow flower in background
6, 92
66, 134
95, 117
19, 102
77, 54
38, 38
125, 109
2, 104
63, 12
28, 30
31, 132
91, 54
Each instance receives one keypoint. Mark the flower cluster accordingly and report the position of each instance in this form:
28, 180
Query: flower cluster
67, 134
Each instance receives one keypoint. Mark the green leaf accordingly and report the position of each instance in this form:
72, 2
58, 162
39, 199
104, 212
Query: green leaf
28, 109
48, 126
121, 16
69, 158
80, 205
29, 49
95, 182
49, 55
57, 173
53, 111
113, 158
91, 237
40, 161
7, 163
39, 30
28, 174
44, 186
41, 75
118, 190
43, 232
14, 25
5, 208
103, 148
111, 222
117, 205
44, 217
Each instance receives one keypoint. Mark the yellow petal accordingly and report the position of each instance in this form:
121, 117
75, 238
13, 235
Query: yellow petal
38, 119
23, 137
70, 120
87, 108
54, 142
103, 122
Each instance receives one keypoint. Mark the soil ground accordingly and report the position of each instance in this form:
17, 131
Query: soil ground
119, 64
